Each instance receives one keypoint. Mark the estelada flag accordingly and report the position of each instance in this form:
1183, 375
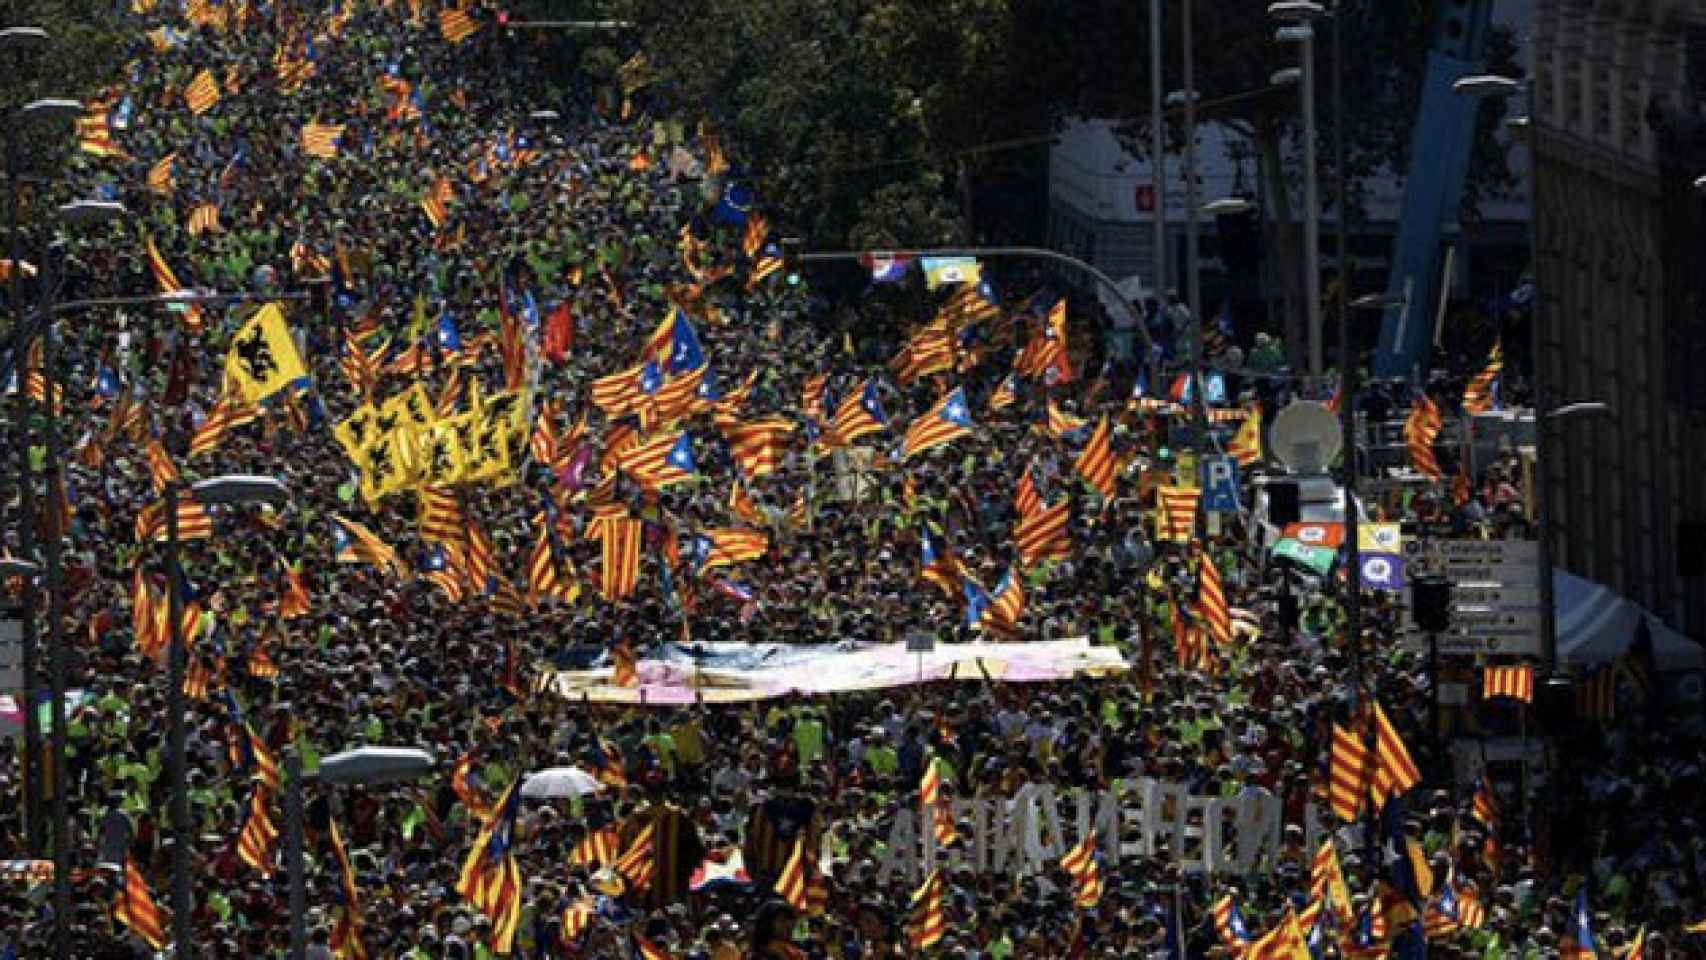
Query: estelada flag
263, 358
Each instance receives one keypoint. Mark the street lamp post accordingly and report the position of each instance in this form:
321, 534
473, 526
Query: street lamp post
230, 489
77, 214
1299, 14
1494, 87
18, 40
1158, 150
363, 765
1193, 216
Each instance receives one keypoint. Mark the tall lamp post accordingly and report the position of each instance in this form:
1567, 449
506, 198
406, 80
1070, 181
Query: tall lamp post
17, 40
81, 214
1158, 150
1299, 17
231, 490
363, 765
1495, 87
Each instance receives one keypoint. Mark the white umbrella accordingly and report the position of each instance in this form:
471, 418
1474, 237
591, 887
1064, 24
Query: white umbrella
560, 782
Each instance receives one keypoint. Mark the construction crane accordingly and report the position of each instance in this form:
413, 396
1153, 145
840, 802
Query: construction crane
1440, 146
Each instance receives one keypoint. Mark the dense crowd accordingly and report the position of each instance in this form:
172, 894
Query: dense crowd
617, 213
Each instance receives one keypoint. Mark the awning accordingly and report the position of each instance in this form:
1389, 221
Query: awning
1595, 625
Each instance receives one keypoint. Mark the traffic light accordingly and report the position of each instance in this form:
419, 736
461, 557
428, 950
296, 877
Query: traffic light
1430, 603
503, 18
791, 259
1283, 503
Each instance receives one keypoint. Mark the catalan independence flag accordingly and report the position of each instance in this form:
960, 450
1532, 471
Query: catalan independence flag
1348, 774
620, 573
1482, 392
1098, 464
357, 544
346, 932
321, 139
491, 878
259, 837
1394, 771
661, 461
202, 93
943, 423
167, 282
1420, 431
859, 415
757, 447
1515, 682
136, 909
455, 25
1042, 535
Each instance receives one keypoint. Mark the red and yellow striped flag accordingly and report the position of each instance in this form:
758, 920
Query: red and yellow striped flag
1042, 535
1176, 513
620, 573
1211, 601
1481, 393
160, 175
928, 923
1349, 774
1514, 682
638, 864
1394, 771
436, 202
256, 842
202, 93
167, 282
456, 25
757, 447
1098, 464
136, 909
1080, 864
161, 469
791, 883
321, 139
1420, 431
204, 219
346, 932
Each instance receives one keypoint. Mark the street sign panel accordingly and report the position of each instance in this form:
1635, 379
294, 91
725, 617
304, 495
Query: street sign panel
1495, 593
1219, 485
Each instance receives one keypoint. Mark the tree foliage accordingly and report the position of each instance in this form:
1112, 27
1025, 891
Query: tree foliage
861, 117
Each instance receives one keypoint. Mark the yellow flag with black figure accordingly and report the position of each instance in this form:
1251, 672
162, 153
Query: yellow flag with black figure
263, 360
443, 461
390, 465
356, 431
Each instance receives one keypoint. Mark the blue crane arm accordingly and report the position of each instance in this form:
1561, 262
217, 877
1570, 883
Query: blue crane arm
1433, 190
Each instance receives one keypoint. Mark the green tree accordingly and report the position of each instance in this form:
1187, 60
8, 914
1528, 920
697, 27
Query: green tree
869, 120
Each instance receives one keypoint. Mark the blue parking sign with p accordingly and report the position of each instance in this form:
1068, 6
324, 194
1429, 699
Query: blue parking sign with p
1218, 478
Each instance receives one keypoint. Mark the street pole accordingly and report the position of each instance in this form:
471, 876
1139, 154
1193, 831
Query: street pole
1311, 204
1542, 430
1347, 359
1193, 280
1193, 215
55, 473
1158, 150
33, 818
293, 854
183, 903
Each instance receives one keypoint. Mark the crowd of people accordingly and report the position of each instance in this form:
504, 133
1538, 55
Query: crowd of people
444, 217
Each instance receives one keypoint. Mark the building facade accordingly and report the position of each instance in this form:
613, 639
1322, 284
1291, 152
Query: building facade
1620, 96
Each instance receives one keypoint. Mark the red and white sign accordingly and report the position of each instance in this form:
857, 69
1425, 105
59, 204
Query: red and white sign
1330, 535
